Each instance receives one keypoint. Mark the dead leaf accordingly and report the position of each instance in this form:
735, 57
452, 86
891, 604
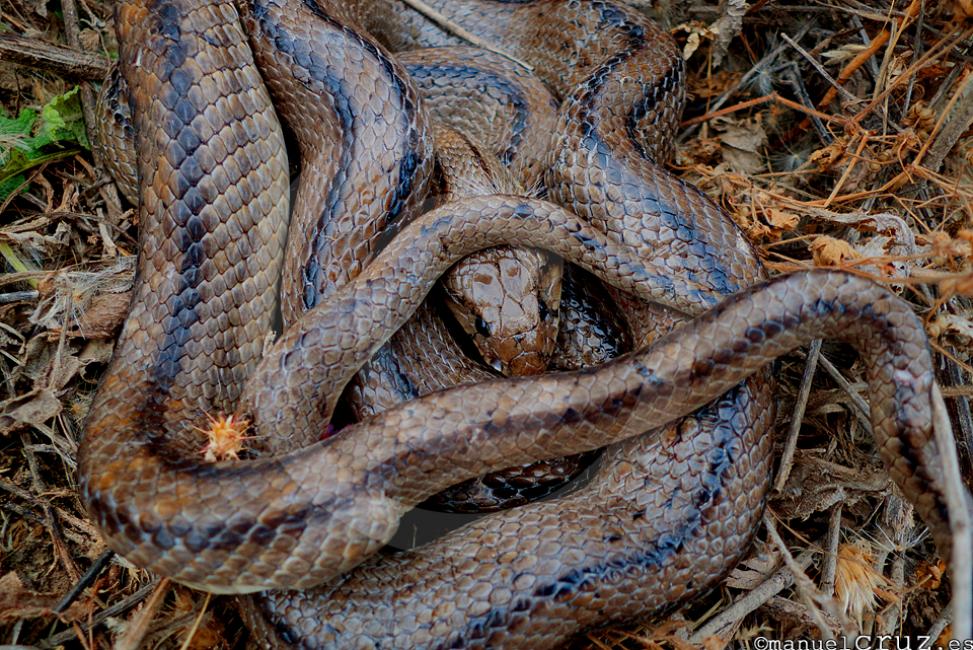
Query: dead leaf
96, 351
742, 162
953, 328
780, 219
696, 33
743, 143
18, 602
828, 251
87, 303
35, 407
815, 485
101, 318
896, 248
713, 85
692, 44
747, 135
699, 151
64, 366
727, 27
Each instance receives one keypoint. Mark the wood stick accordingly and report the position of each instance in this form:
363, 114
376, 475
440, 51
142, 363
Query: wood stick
458, 30
63, 61
859, 60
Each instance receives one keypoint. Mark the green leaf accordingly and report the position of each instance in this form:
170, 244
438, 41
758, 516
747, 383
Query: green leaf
14, 132
23, 124
20, 162
9, 184
62, 121
32, 139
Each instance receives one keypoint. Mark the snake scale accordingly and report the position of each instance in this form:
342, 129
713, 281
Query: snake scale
672, 504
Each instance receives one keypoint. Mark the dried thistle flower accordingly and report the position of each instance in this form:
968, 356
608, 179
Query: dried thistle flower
226, 436
856, 581
829, 251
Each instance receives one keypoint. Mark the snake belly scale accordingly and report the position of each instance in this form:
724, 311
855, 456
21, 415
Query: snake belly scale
672, 504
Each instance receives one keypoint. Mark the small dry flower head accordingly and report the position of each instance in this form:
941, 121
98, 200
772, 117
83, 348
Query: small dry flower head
829, 251
225, 437
856, 581
921, 117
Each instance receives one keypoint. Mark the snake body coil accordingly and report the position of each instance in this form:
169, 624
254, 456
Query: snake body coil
671, 507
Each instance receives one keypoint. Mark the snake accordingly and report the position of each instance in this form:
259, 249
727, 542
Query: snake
674, 502
505, 298
511, 287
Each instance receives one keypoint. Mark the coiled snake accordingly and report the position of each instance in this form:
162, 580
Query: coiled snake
671, 506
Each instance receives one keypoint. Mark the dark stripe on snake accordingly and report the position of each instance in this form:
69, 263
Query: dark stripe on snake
118, 90
411, 157
403, 384
672, 215
612, 18
409, 163
191, 229
582, 579
311, 270
646, 104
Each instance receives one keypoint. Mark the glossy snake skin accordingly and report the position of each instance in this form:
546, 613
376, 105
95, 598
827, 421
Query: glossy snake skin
673, 504
505, 298
504, 288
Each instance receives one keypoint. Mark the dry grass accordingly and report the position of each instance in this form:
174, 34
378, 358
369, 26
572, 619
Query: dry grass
835, 133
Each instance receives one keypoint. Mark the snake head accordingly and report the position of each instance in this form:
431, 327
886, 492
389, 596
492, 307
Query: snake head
506, 300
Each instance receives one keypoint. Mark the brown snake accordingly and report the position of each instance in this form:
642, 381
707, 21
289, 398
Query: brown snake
505, 298
672, 505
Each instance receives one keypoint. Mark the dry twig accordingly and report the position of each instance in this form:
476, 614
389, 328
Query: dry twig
460, 31
62, 61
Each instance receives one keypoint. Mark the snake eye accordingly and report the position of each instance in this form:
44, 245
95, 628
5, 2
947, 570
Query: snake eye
482, 328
